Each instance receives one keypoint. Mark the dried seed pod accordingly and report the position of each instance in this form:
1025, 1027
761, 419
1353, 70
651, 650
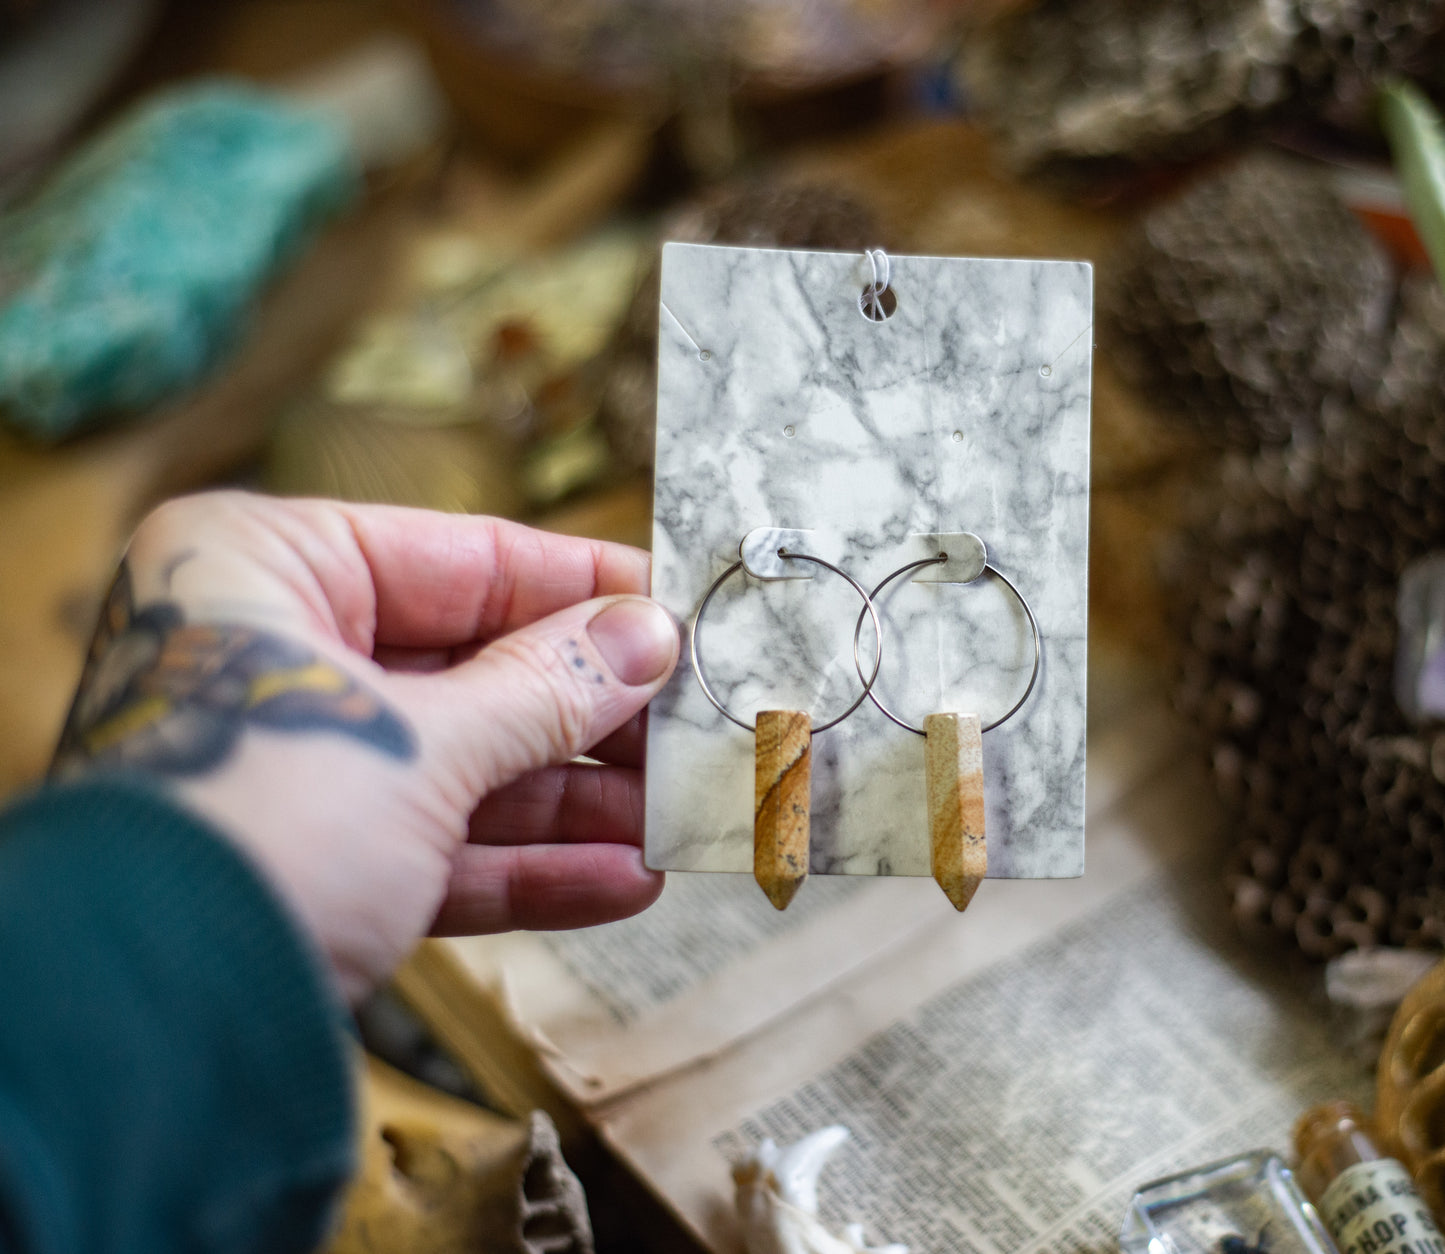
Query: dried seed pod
1288, 591
1346, 48
1098, 79
1270, 290
1316, 931
1070, 82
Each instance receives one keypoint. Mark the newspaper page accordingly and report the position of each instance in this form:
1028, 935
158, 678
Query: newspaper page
619, 1005
710, 964
1010, 1078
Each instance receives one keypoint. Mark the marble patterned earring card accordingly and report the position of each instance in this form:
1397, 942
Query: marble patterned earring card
967, 410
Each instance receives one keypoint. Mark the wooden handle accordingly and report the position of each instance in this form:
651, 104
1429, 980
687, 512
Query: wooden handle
781, 799
953, 766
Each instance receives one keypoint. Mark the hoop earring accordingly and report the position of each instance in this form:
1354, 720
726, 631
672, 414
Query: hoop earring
953, 743
783, 752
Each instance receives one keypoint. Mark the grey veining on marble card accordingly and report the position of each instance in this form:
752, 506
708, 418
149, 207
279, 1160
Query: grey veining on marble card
780, 405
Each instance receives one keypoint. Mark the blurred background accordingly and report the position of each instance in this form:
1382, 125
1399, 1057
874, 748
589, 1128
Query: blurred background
408, 252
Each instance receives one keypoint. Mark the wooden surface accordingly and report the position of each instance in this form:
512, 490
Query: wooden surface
953, 775
784, 758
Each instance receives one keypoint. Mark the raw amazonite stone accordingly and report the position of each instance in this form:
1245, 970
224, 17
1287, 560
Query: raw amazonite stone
132, 269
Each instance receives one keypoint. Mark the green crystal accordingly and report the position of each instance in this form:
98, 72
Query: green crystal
126, 276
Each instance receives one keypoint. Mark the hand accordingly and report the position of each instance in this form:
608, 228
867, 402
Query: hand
381, 707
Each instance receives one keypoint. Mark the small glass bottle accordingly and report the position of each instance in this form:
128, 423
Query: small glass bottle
1367, 1200
1249, 1204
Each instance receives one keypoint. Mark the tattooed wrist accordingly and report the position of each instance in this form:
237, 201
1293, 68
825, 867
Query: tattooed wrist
161, 694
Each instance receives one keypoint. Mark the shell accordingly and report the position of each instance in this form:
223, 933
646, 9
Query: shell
1410, 1092
777, 1200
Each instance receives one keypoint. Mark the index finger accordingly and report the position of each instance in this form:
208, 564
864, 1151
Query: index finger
447, 579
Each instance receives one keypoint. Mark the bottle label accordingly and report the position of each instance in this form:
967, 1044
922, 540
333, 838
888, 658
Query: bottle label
1373, 1208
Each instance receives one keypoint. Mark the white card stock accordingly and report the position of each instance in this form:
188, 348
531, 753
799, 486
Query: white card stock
780, 405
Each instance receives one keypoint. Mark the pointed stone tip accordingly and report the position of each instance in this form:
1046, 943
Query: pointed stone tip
781, 892
960, 891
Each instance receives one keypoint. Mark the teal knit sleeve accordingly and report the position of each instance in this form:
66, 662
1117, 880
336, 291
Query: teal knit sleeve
174, 1068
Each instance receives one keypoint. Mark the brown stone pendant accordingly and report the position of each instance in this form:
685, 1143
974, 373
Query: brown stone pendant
781, 801
953, 767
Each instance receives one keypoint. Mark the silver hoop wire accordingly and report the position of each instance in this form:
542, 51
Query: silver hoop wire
868, 608
1033, 626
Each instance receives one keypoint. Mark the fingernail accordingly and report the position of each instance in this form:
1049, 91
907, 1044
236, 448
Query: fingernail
636, 638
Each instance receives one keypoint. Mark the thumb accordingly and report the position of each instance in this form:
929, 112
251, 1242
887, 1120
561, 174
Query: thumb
546, 692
